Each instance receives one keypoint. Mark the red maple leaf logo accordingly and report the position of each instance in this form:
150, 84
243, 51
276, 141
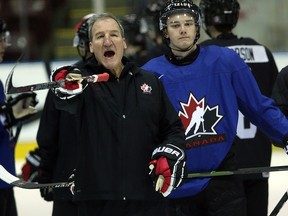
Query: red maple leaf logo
198, 118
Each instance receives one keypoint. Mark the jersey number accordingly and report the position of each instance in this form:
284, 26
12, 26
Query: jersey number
245, 129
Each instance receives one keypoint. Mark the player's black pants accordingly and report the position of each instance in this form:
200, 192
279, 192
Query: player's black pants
7, 203
256, 191
122, 208
224, 196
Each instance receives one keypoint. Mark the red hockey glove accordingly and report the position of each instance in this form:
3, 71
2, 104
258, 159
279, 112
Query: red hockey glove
71, 77
167, 168
30, 168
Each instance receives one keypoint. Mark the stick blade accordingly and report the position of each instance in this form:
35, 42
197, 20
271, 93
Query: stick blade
6, 176
8, 83
15, 181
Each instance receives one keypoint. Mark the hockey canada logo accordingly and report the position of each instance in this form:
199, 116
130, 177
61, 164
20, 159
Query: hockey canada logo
146, 89
199, 121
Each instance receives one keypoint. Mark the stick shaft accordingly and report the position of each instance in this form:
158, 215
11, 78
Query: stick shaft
279, 204
32, 185
35, 87
243, 171
48, 85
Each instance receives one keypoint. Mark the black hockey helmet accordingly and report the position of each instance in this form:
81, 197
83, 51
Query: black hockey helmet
5, 34
153, 11
135, 29
180, 6
81, 38
219, 12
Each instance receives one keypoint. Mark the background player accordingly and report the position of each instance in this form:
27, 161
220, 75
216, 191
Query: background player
13, 111
219, 18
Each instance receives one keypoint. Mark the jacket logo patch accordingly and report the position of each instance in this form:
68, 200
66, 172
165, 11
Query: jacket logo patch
146, 89
200, 120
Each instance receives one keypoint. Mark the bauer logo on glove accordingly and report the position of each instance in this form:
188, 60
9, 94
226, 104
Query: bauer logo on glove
72, 81
167, 168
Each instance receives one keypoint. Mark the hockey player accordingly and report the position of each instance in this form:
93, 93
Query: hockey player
217, 80
280, 90
136, 29
5, 38
81, 40
253, 147
13, 111
57, 136
122, 122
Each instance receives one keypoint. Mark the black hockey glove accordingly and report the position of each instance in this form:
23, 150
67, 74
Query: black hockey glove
19, 108
284, 144
45, 177
71, 77
167, 168
71, 181
30, 168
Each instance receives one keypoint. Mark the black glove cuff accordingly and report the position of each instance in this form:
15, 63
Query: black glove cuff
285, 144
170, 151
10, 121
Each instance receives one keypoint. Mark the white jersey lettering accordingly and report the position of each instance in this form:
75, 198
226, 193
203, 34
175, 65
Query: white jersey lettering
251, 53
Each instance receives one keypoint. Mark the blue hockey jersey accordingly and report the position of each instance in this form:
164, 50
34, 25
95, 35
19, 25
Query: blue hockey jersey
7, 144
207, 95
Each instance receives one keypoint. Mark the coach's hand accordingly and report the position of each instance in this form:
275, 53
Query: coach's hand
71, 77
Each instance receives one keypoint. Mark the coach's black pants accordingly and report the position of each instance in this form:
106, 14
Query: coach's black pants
7, 203
121, 208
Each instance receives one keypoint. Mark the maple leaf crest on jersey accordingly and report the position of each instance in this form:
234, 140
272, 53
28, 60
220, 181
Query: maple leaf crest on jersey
146, 89
200, 120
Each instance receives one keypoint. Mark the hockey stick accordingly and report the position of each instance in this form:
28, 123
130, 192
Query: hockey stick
12, 71
242, 171
15, 181
10, 89
279, 204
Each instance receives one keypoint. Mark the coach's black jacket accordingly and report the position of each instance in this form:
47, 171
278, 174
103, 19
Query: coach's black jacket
122, 121
57, 140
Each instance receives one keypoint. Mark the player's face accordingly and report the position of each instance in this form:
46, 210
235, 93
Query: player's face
108, 44
181, 30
